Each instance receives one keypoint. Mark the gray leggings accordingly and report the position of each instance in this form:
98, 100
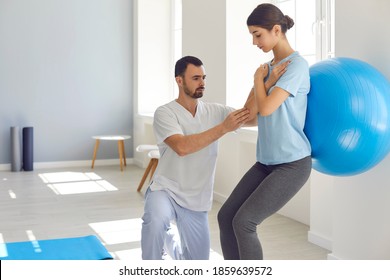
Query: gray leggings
262, 191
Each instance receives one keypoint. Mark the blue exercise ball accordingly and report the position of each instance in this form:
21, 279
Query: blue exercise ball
348, 116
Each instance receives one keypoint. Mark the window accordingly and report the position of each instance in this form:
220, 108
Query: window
312, 35
328, 28
313, 31
156, 50
177, 37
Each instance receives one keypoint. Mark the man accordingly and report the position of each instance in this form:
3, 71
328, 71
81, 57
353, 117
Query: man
187, 130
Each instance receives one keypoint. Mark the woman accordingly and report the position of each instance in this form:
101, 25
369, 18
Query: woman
279, 97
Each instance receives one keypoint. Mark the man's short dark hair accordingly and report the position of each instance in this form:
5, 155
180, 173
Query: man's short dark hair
182, 63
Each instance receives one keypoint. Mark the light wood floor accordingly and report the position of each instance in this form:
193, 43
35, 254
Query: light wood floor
71, 202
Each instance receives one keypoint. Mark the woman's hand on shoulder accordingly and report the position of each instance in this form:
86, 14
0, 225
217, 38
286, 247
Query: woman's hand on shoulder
261, 72
276, 73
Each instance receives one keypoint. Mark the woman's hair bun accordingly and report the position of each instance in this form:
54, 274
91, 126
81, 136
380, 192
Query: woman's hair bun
289, 22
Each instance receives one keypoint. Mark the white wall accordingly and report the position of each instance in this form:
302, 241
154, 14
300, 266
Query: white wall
353, 213
216, 32
204, 36
348, 215
321, 209
242, 57
66, 70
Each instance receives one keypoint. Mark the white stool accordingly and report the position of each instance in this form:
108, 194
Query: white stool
121, 147
154, 155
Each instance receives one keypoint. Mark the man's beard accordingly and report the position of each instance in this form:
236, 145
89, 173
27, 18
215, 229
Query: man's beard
195, 95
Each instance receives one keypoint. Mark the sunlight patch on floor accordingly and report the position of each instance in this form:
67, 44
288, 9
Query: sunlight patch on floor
126, 231
65, 183
3, 247
131, 254
120, 231
78, 188
65, 177
11, 194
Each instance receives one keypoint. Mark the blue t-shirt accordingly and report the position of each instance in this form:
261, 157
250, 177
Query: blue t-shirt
280, 135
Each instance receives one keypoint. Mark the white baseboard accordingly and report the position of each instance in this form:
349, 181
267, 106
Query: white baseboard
323, 242
66, 164
139, 163
319, 240
333, 257
5, 167
219, 197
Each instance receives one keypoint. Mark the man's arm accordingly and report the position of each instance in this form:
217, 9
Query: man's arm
188, 144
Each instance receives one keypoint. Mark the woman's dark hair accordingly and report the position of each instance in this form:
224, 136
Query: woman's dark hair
182, 63
267, 16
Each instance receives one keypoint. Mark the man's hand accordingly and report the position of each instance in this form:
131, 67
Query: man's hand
188, 144
235, 119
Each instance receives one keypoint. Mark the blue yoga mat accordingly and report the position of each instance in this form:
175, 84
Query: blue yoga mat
75, 248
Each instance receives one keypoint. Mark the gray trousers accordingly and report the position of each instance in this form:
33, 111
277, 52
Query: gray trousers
262, 191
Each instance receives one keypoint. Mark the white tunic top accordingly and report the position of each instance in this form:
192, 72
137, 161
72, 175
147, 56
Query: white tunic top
188, 179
